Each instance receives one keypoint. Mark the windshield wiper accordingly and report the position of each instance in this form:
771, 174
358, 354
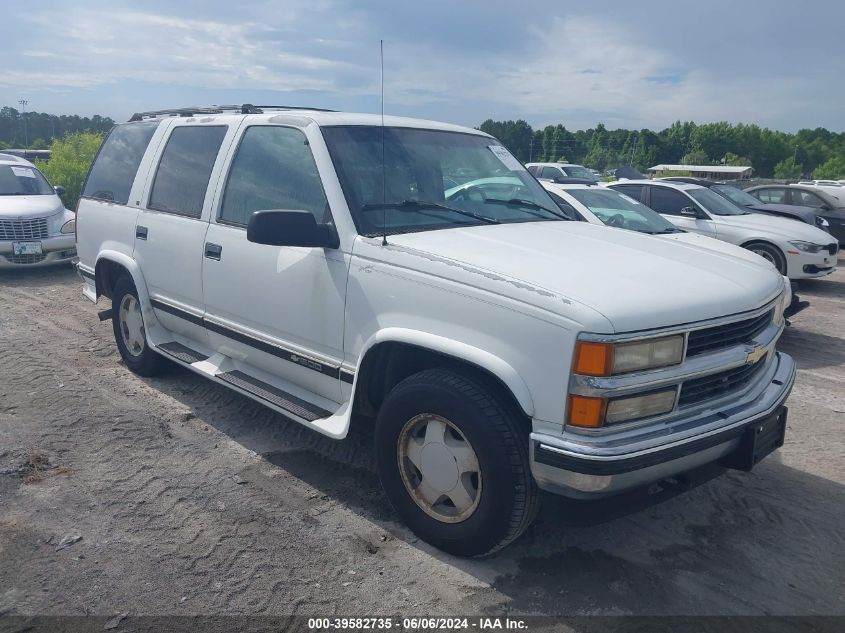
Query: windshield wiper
666, 231
514, 202
421, 204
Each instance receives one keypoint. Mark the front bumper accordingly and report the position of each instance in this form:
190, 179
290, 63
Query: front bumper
564, 467
58, 249
810, 265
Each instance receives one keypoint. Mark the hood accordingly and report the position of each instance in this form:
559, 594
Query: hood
634, 281
718, 246
27, 207
783, 228
808, 214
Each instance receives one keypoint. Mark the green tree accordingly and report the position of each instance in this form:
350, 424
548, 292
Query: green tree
832, 169
695, 157
788, 169
69, 161
737, 161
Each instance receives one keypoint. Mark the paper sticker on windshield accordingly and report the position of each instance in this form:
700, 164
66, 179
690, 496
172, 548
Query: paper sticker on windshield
23, 172
506, 157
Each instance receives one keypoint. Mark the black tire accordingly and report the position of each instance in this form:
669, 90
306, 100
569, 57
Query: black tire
771, 253
509, 497
147, 362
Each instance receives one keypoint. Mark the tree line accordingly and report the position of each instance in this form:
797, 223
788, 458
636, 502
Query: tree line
38, 129
818, 153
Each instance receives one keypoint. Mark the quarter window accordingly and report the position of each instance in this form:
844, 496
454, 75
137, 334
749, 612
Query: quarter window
668, 201
632, 191
273, 169
550, 172
184, 169
113, 171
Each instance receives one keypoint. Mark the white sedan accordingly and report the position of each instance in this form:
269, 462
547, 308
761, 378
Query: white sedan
797, 250
599, 205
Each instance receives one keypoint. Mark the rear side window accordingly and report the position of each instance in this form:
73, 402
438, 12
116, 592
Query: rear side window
668, 201
806, 199
273, 169
184, 169
632, 191
771, 196
113, 171
550, 172
534, 169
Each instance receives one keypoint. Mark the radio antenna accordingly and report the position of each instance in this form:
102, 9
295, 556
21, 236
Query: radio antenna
383, 169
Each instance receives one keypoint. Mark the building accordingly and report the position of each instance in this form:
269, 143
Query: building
713, 172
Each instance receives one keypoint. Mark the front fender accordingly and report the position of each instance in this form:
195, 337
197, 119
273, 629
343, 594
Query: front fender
498, 367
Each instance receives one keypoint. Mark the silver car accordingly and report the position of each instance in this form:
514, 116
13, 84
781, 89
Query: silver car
35, 227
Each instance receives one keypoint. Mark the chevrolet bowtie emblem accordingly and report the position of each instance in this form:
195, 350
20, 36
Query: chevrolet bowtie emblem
755, 354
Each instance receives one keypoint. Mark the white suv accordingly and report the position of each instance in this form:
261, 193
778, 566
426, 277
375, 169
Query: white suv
797, 250
556, 171
35, 227
313, 261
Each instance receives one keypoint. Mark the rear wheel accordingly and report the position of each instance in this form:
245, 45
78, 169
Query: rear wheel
770, 253
453, 460
130, 334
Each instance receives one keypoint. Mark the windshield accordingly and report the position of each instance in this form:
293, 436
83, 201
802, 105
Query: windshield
576, 171
23, 180
714, 203
431, 179
737, 196
617, 209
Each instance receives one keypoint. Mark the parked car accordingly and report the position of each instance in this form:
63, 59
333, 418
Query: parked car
601, 205
821, 183
741, 198
551, 171
35, 227
797, 250
311, 261
830, 204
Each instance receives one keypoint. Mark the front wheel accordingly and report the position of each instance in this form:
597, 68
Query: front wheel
770, 253
453, 460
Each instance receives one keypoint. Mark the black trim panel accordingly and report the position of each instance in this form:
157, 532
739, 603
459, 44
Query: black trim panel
182, 314
269, 348
626, 465
182, 352
85, 273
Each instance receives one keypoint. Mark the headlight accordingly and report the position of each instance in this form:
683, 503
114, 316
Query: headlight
807, 247
606, 359
822, 222
69, 226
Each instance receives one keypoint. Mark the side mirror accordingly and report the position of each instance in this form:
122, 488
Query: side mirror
692, 212
290, 228
60, 191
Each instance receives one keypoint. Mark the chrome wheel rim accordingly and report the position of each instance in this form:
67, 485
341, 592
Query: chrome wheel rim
439, 468
131, 325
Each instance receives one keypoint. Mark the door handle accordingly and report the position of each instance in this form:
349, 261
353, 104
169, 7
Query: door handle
141, 232
213, 251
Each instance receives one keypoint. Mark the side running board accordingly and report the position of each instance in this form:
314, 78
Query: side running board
282, 399
182, 352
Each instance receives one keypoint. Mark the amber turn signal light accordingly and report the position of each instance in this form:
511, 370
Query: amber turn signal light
586, 412
593, 359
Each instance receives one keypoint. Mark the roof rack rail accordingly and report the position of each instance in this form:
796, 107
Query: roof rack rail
246, 108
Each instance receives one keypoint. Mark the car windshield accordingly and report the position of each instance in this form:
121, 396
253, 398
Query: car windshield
23, 180
576, 171
714, 203
617, 209
431, 179
737, 196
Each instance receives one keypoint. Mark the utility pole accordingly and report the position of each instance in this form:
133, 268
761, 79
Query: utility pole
24, 103
531, 150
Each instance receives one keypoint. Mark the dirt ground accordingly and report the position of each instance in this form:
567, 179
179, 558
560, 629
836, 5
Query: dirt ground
190, 499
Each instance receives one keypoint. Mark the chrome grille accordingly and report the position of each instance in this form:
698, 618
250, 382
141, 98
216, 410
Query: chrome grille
25, 259
719, 384
29, 229
727, 335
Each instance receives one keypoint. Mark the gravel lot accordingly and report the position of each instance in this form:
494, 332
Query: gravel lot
190, 499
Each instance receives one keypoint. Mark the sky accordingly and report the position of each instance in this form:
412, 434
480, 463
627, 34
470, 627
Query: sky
625, 64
